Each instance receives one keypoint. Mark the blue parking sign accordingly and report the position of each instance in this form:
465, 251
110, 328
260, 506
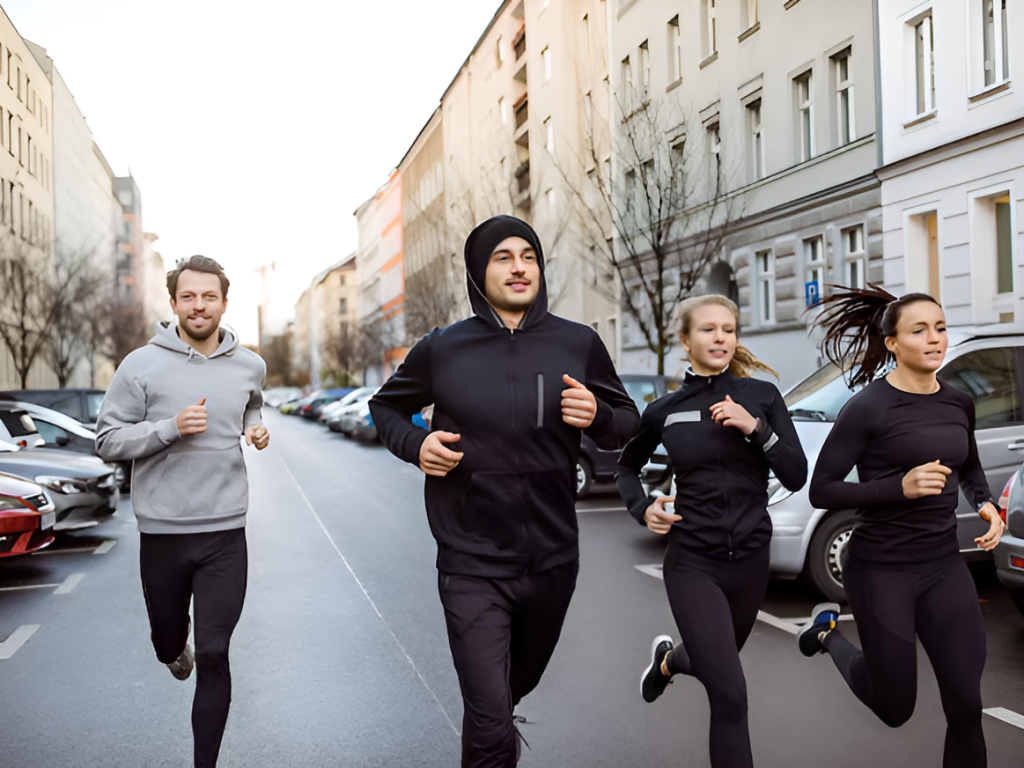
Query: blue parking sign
812, 293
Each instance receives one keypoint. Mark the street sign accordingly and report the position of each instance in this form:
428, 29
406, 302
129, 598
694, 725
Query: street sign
812, 293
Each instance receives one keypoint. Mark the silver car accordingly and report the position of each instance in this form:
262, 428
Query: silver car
986, 362
1009, 555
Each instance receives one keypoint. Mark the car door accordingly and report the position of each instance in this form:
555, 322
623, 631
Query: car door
990, 376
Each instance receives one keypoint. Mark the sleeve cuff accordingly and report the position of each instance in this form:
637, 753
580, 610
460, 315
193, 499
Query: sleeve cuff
167, 431
253, 418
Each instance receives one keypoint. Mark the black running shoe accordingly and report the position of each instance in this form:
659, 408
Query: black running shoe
823, 620
653, 682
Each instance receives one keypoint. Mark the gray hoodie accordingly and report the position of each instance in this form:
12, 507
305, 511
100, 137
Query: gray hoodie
190, 484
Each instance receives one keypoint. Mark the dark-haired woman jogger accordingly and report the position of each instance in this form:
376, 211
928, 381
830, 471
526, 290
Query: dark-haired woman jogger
911, 439
724, 432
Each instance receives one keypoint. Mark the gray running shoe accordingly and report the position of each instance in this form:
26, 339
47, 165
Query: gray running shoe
182, 666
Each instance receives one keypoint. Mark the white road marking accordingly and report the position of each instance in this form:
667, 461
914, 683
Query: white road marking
774, 621
29, 586
69, 584
105, 547
370, 599
18, 638
1006, 715
651, 570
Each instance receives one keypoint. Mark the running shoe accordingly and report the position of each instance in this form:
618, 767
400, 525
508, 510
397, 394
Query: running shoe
518, 720
653, 682
823, 620
182, 666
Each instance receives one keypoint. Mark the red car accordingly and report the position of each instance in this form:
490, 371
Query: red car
27, 516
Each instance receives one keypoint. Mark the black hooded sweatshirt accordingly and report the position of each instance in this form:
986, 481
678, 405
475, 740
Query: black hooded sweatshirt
508, 508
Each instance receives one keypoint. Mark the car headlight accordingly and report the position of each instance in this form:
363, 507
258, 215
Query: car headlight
777, 491
61, 484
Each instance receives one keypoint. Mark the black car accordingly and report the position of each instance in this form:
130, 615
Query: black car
598, 465
82, 405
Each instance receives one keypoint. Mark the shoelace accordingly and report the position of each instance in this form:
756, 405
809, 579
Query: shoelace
518, 720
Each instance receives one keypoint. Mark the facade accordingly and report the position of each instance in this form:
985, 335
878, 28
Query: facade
26, 172
324, 333
524, 120
381, 272
769, 109
953, 152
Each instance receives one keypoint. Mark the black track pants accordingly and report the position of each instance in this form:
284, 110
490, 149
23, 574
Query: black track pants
715, 604
212, 567
502, 633
938, 601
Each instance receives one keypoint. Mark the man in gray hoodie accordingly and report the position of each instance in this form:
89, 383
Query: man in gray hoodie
178, 409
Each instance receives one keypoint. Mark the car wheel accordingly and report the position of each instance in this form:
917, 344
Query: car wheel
1018, 598
825, 555
584, 477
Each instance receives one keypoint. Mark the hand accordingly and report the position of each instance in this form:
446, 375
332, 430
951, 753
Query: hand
192, 420
257, 435
926, 480
657, 519
729, 413
996, 526
579, 407
435, 459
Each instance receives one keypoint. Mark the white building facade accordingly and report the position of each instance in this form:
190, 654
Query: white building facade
953, 151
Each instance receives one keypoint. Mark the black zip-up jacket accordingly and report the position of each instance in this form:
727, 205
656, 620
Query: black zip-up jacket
508, 508
721, 475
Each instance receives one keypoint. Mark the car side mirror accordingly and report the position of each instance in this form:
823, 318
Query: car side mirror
63, 440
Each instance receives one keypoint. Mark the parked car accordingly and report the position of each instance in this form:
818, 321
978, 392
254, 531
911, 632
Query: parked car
335, 412
295, 408
275, 397
27, 517
82, 405
358, 423
83, 488
311, 410
985, 362
17, 427
1009, 554
597, 464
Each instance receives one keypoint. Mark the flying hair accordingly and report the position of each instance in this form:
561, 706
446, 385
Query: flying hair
857, 321
744, 363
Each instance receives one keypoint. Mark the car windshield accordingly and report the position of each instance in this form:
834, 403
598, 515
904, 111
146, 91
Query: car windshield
643, 393
820, 396
93, 401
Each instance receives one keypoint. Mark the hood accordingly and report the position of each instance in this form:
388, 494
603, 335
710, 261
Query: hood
479, 246
167, 337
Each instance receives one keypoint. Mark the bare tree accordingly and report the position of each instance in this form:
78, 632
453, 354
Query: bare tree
340, 352
661, 231
278, 355
121, 328
77, 298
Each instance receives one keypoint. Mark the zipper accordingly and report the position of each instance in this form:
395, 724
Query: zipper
540, 399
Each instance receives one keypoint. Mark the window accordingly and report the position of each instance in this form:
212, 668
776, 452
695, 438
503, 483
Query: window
757, 159
586, 30
549, 136
764, 264
714, 138
343, 304
630, 189
627, 86
341, 279
588, 110
855, 257
750, 13
550, 197
503, 110
989, 378
709, 28
844, 98
994, 41
545, 56
924, 65
645, 73
675, 47
499, 51
1004, 245
805, 115
814, 269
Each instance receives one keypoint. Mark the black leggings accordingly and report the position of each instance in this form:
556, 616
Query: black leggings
212, 567
715, 604
502, 633
938, 601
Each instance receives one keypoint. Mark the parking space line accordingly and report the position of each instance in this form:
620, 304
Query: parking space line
17, 639
1006, 715
29, 586
69, 584
105, 547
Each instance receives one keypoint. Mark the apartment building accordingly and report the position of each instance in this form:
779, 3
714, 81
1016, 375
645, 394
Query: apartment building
953, 149
381, 274
768, 109
324, 339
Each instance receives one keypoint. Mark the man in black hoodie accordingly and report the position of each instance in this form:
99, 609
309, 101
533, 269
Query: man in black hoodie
513, 388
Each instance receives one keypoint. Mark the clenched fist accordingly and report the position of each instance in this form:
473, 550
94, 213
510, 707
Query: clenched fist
192, 420
435, 458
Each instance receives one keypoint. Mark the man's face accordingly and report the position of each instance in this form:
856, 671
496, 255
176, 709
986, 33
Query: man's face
512, 279
199, 304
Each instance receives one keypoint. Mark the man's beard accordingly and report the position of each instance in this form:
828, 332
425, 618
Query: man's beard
214, 327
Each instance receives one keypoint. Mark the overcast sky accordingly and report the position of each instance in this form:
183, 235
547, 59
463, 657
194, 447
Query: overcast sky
254, 129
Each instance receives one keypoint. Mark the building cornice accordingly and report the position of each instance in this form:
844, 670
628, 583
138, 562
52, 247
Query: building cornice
955, 148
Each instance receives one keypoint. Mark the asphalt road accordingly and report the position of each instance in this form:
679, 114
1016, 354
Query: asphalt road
341, 657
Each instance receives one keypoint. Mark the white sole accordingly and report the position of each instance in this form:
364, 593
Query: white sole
654, 647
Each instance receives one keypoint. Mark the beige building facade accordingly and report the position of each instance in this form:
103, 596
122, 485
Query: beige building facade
324, 333
771, 109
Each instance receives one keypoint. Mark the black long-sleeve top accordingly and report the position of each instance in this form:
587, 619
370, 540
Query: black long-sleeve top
721, 475
885, 432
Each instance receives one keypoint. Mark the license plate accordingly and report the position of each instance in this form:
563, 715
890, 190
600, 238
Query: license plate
49, 519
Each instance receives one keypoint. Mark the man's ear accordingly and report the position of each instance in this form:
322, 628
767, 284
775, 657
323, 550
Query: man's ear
174, 305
